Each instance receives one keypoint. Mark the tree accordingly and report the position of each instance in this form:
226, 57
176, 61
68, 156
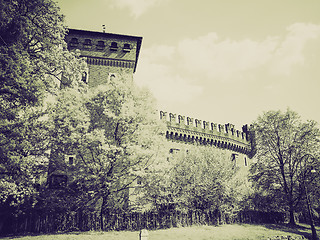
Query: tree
33, 57
121, 142
196, 178
30, 33
287, 149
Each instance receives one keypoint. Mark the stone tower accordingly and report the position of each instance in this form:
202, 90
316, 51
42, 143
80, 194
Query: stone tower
108, 55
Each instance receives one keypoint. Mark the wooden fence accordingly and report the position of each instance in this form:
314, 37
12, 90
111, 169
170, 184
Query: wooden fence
80, 221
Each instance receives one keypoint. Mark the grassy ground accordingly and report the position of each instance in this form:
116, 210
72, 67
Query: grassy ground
233, 232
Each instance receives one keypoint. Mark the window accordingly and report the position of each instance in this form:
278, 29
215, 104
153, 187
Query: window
70, 160
74, 42
126, 47
114, 46
100, 45
234, 157
58, 179
87, 43
84, 77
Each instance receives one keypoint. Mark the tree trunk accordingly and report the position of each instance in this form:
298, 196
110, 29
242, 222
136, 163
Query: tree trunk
101, 219
104, 202
292, 221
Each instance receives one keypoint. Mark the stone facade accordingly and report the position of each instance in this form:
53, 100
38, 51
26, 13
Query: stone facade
107, 54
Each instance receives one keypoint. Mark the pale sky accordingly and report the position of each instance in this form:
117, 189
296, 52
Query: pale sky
223, 61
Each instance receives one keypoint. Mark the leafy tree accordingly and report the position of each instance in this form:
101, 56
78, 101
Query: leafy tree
30, 32
287, 150
121, 142
33, 57
200, 178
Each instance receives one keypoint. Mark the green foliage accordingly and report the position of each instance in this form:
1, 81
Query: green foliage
32, 60
24, 161
287, 151
30, 32
122, 140
199, 178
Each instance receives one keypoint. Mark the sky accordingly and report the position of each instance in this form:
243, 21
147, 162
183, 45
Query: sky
223, 61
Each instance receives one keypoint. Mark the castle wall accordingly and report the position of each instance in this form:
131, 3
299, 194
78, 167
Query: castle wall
189, 130
101, 74
240, 160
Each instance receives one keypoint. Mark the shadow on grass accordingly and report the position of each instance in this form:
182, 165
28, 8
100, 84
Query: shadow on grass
297, 229
22, 235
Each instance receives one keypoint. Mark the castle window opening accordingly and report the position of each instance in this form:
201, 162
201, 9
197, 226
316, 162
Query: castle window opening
84, 77
126, 47
87, 43
100, 45
234, 157
74, 42
58, 181
114, 46
71, 160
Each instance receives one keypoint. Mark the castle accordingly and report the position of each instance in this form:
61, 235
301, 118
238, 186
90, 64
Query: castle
111, 55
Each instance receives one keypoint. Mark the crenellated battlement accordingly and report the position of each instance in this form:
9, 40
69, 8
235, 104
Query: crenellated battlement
192, 130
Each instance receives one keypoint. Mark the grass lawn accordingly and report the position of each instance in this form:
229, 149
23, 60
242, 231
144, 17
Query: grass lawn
232, 231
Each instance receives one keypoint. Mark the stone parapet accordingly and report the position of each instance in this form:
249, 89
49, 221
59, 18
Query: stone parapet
191, 130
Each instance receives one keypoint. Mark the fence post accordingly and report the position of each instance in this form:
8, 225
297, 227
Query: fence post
143, 234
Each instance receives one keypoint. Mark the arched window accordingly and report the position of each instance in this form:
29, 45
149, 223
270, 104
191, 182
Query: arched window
87, 43
100, 45
84, 77
114, 46
234, 157
74, 42
126, 47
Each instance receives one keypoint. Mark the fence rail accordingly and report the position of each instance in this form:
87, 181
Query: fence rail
80, 221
